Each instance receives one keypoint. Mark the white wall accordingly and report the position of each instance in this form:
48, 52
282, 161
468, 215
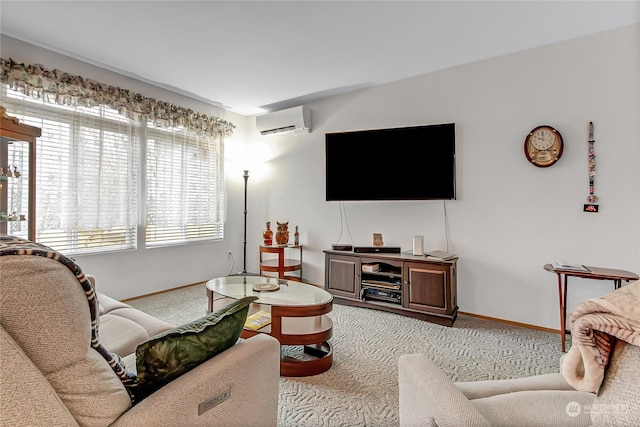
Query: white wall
510, 217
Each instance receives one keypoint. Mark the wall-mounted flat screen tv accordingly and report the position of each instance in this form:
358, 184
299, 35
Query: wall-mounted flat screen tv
408, 163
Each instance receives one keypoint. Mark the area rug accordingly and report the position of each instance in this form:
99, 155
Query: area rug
361, 388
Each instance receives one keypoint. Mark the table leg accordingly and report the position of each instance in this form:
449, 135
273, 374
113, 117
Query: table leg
210, 299
563, 309
564, 313
276, 326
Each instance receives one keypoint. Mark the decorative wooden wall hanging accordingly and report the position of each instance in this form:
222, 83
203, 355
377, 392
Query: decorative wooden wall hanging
592, 205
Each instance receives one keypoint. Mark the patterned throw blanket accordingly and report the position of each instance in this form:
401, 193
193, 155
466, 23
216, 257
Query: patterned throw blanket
595, 325
10, 245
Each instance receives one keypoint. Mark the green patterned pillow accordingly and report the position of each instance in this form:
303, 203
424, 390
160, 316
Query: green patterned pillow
165, 357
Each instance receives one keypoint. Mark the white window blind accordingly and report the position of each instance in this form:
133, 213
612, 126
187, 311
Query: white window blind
184, 187
87, 173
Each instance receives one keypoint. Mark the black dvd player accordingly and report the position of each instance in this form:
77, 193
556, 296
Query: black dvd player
377, 249
339, 247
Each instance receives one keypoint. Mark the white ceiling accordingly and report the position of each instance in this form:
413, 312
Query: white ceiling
266, 55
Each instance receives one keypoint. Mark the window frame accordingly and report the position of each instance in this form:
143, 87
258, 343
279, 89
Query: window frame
23, 105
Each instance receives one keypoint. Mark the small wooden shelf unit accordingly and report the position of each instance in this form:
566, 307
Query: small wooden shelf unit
281, 265
406, 284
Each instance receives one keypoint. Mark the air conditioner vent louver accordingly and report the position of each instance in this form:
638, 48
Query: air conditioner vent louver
296, 119
278, 130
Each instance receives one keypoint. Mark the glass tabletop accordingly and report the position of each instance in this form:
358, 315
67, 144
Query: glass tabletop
290, 293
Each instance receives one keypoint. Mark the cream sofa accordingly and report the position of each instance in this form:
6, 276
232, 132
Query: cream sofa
605, 348
122, 327
51, 375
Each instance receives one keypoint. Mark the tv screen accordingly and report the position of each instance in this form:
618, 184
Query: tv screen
409, 163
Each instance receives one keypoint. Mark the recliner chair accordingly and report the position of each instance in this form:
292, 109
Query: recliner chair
51, 375
429, 398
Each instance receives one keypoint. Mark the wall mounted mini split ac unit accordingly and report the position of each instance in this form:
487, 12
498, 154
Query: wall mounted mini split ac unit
296, 119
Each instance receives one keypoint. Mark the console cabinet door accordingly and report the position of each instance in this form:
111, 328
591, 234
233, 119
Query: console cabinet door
342, 276
429, 287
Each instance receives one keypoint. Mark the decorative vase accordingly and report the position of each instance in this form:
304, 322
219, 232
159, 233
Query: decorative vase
282, 235
267, 234
296, 237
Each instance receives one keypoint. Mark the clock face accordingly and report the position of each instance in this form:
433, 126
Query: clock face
543, 146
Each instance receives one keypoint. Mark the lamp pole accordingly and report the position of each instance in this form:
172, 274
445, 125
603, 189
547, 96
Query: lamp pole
244, 256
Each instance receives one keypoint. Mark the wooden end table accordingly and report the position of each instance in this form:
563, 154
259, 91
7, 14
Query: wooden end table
282, 265
298, 318
598, 273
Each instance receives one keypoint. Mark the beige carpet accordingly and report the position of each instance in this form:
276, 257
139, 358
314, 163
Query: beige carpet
361, 388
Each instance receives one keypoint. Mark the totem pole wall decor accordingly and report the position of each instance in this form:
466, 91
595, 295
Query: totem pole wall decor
592, 205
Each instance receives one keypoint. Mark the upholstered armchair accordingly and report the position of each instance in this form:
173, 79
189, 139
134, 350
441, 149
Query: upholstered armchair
54, 370
598, 383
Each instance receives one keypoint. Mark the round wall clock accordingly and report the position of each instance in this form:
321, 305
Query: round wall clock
543, 146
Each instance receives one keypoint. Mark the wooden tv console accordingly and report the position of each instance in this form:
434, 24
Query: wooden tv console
406, 284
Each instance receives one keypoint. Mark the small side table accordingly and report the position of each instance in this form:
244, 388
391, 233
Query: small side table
281, 264
617, 276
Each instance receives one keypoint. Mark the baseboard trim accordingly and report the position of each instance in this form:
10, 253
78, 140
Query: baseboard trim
162, 292
509, 322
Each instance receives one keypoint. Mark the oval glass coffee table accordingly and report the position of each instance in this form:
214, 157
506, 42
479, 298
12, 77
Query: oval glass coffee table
298, 318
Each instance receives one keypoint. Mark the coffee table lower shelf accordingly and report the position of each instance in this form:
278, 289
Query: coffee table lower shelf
314, 359
305, 349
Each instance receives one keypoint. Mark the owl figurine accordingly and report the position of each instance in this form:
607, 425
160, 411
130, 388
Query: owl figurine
282, 233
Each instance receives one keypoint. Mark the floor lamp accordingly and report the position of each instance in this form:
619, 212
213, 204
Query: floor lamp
244, 254
244, 241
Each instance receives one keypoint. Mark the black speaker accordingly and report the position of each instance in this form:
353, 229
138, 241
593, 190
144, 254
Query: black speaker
377, 249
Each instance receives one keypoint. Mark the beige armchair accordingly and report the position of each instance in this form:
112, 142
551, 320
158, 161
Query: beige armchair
51, 374
606, 334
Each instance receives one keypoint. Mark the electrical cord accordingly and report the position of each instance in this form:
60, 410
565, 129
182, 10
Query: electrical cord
343, 223
233, 263
446, 224
346, 221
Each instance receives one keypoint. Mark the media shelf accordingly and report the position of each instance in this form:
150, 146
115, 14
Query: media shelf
401, 283
383, 284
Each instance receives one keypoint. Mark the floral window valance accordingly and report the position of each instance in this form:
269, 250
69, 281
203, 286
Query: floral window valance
66, 89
